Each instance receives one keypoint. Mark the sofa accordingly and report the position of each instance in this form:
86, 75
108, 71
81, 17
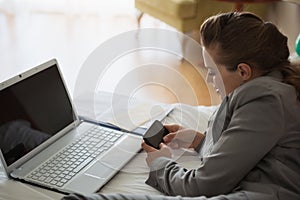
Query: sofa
188, 15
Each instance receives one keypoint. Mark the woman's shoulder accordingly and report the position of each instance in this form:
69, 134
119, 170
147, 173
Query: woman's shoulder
268, 84
262, 88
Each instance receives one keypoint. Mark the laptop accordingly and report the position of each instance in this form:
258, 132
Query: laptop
44, 142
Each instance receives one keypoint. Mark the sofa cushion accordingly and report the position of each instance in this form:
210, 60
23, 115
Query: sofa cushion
176, 8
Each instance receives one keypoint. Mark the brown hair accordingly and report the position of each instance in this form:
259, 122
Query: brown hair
243, 37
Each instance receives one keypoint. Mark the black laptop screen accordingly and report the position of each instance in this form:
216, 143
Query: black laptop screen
32, 111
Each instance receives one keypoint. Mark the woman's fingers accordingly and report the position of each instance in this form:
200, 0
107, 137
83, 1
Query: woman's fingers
147, 147
164, 151
168, 138
172, 127
185, 138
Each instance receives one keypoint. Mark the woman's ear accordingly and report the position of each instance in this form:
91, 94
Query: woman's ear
245, 71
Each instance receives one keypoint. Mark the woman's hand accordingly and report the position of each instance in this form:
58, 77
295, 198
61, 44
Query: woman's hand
152, 153
180, 137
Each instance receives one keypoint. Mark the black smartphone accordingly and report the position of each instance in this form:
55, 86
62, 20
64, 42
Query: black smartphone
154, 134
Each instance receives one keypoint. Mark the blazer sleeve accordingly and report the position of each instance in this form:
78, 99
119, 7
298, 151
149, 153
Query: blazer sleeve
255, 126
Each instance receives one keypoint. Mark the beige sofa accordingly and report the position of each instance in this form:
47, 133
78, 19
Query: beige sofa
188, 15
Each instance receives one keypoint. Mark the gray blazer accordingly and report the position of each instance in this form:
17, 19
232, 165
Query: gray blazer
251, 150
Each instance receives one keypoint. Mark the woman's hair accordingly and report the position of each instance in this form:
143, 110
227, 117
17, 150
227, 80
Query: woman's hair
246, 38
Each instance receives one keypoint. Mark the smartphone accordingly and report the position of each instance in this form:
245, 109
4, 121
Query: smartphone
155, 133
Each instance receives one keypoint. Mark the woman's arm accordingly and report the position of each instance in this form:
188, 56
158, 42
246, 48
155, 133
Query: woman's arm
256, 125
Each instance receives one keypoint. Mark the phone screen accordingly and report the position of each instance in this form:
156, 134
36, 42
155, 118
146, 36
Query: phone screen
154, 134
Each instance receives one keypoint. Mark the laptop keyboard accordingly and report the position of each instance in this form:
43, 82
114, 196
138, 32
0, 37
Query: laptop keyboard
67, 163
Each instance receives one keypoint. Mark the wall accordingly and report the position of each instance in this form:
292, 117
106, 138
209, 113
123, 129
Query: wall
286, 15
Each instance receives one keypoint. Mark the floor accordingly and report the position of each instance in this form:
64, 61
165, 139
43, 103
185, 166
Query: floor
33, 32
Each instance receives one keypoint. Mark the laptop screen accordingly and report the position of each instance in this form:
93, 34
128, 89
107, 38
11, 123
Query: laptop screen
32, 111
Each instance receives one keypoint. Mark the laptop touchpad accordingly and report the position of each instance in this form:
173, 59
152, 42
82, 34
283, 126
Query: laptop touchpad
99, 170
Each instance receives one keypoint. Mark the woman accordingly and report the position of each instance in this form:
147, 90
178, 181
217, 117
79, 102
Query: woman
251, 149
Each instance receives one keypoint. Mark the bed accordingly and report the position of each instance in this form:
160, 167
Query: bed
131, 179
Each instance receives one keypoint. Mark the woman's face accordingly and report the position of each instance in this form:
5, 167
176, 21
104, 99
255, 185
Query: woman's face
224, 81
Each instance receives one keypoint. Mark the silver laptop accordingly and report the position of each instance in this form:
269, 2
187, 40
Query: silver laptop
43, 141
